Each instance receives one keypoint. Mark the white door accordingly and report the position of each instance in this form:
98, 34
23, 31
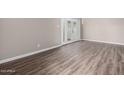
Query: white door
71, 30
75, 29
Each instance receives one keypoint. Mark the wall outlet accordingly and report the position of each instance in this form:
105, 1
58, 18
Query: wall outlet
38, 45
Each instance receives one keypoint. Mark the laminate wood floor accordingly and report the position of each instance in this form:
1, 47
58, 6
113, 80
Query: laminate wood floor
79, 58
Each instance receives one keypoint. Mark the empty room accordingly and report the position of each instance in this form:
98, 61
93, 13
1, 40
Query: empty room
61, 46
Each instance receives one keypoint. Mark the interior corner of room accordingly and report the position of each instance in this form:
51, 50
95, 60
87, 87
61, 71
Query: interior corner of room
21, 37
24, 37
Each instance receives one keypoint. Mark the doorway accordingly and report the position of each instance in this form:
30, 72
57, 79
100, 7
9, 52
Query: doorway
70, 30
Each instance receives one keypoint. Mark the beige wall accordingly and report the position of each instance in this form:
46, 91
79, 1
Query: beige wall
104, 29
21, 36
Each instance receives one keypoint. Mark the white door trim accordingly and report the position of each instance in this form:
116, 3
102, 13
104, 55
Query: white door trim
62, 31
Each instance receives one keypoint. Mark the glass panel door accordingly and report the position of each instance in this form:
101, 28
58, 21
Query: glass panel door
71, 30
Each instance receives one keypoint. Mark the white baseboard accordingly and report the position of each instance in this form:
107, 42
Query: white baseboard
28, 54
43, 50
71, 42
104, 42
32, 53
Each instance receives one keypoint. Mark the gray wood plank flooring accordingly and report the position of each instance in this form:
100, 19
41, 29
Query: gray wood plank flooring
79, 58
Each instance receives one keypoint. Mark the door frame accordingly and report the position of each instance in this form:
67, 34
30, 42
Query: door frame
62, 31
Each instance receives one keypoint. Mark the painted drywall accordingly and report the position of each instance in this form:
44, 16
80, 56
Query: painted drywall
24, 35
104, 29
81, 28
